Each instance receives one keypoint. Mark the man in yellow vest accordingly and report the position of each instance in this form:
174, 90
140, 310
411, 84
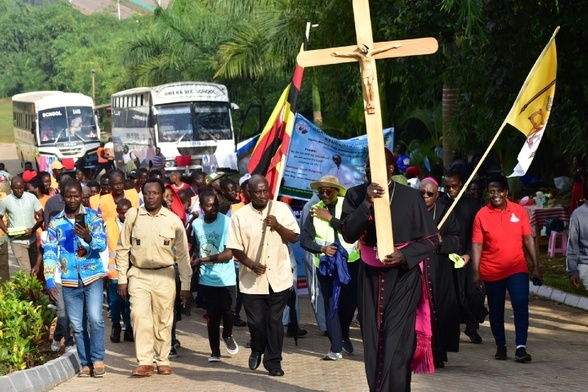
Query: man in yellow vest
320, 236
116, 302
107, 205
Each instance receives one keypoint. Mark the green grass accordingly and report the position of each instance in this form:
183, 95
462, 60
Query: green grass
6, 131
555, 275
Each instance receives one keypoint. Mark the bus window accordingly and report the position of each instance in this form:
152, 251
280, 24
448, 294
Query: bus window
81, 122
63, 124
175, 123
213, 121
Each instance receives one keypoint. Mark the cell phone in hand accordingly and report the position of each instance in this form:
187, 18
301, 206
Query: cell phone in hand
537, 281
80, 220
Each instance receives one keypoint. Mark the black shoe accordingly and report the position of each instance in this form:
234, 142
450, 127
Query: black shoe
521, 355
301, 332
439, 364
240, 323
348, 346
473, 335
115, 333
128, 336
276, 372
500, 353
255, 360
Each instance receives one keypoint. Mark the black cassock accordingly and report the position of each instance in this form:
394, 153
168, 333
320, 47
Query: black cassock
445, 305
388, 296
471, 300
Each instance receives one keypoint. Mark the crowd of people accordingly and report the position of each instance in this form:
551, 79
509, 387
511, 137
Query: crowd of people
159, 245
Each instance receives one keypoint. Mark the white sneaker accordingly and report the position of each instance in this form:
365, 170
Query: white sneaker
56, 345
214, 358
331, 356
231, 345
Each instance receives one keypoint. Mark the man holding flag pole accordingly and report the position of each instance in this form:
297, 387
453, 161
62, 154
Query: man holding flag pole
260, 231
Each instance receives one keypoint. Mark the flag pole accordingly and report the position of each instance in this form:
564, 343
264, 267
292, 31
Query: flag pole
475, 171
281, 171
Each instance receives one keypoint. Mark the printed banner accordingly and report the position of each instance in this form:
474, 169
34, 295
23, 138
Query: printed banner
313, 154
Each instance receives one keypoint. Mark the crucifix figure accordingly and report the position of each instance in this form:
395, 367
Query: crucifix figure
364, 55
366, 52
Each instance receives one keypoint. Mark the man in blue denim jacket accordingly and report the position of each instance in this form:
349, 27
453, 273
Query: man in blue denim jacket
75, 239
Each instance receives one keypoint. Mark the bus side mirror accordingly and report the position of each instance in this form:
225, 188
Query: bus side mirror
234, 106
33, 126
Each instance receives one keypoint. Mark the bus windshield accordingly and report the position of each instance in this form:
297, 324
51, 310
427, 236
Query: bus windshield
196, 121
67, 124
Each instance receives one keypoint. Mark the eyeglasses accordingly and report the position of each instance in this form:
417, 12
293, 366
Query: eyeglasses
430, 194
326, 191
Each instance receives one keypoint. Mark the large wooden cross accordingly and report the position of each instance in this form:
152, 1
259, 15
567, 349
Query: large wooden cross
366, 52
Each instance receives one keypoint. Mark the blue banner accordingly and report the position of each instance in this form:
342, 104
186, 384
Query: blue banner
313, 154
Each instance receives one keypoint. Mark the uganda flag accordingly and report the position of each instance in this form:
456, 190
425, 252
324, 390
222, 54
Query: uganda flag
272, 146
532, 107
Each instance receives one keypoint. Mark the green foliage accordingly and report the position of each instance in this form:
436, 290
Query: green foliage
25, 319
55, 47
6, 130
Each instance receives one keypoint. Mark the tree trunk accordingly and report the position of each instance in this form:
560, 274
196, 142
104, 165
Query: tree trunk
449, 109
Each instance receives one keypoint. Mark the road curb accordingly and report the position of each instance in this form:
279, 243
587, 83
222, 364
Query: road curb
559, 296
44, 377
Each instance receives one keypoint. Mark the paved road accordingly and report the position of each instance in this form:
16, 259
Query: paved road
557, 341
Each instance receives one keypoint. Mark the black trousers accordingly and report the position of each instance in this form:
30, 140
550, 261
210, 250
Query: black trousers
264, 318
219, 304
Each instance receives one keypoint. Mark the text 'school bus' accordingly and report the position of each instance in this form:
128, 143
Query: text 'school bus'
52, 125
189, 121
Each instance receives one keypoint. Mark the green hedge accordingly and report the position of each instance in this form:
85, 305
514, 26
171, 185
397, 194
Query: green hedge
25, 320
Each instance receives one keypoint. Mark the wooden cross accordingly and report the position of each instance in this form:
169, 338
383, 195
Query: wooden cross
366, 52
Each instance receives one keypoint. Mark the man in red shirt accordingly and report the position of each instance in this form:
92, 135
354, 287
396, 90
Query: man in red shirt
501, 229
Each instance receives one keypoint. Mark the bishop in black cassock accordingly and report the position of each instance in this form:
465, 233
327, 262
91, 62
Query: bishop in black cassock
389, 291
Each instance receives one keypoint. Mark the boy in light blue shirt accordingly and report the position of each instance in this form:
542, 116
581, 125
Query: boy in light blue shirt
217, 277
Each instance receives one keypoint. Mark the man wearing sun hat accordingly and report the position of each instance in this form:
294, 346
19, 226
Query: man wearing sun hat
320, 235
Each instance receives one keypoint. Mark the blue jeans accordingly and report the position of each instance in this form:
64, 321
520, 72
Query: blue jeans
117, 304
81, 302
518, 289
62, 327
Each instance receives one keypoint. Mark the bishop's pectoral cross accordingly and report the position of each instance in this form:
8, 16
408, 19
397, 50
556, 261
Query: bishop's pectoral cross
366, 52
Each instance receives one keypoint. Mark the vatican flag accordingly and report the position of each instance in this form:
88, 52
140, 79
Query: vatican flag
531, 109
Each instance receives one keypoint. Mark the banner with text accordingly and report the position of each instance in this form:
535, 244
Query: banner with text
313, 154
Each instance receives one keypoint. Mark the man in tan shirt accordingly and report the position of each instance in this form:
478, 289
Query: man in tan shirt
265, 284
152, 239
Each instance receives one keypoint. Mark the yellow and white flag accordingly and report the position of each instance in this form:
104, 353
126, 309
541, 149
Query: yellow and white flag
531, 109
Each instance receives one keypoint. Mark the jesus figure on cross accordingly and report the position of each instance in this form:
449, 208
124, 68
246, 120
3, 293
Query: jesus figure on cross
364, 56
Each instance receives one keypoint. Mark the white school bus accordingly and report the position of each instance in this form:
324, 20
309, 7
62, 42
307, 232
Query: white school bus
189, 121
53, 125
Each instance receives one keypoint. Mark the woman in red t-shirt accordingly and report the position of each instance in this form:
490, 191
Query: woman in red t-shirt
501, 229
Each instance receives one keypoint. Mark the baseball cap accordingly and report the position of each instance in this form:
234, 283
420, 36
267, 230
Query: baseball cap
212, 177
134, 174
245, 177
56, 165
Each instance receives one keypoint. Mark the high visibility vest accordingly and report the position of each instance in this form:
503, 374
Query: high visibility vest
112, 234
325, 234
108, 206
